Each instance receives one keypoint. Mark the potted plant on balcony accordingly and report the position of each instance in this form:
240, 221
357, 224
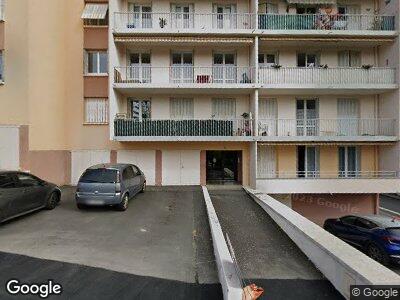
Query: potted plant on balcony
324, 66
163, 22
276, 66
366, 67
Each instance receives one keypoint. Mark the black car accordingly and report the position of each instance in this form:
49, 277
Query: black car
376, 235
22, 193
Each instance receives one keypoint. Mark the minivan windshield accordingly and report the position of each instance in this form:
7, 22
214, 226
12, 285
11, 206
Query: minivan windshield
100, 176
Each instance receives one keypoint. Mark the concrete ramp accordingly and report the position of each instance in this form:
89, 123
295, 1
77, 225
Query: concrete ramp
265, 254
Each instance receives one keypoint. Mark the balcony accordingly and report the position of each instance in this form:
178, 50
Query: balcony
327, 129
327, 78
321, 24
148, 77
126, 129
330, 182
131, 23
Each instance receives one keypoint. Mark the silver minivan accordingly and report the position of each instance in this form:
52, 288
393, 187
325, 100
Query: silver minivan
109, 185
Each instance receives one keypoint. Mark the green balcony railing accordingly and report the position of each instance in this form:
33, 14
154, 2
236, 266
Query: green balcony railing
130, 127
326, 22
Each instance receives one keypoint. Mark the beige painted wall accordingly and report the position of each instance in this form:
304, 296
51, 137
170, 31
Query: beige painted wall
328, 159
286, 159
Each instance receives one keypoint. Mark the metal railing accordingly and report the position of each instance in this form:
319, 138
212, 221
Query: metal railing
326, 22
330, 175
327, 127
136, 21
186, 127
183, 74
327, 76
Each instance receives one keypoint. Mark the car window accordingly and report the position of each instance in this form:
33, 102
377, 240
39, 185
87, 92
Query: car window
136, 170
26, 180
366, 224
99, 176
128, 173
6, 182
349, 220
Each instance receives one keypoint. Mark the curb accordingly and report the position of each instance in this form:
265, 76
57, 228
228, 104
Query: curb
230, 282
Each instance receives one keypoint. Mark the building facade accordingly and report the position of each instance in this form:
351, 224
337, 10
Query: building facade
299, 99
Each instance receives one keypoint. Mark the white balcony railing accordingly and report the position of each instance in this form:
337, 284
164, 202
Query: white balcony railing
339, 76
326, 22
183, 74
125, 127
330, 175
326, 127
136, 22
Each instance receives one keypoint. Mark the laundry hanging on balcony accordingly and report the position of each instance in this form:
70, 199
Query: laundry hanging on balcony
95, 11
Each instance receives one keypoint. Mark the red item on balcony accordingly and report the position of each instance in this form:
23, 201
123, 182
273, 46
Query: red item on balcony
203, 79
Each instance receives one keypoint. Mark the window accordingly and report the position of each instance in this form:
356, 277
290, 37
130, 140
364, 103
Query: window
309, 60
1, 67
2, 5
349, 9
96, 110
136, 170
349, 59
99, 176
128, 173
224, 108
349, 161
140, 67
307, 161
307, 122
348, 220
366, 224
139, 109
267, 59
26, 180
181, 108
96, 62
95, 14
267, 8
6, 182
141, 16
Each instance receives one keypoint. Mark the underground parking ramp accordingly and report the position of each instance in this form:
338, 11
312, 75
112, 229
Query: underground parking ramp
265, 254
163, 237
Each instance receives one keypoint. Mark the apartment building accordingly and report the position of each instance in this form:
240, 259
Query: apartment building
296, 98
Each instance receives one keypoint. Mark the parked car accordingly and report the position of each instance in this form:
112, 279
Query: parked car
378, 236
22, 193
109, 184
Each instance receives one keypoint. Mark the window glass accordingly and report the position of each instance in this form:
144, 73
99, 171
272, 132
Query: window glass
301, 60
134, 58
350, 220
366, 224
218, 59
135, 170
6, 182
229, 59
270, 58
99, 176
140, 109
146, 58
103, 62
187, 58
128, 173
92, 62
26, 180
260, 58
176, 58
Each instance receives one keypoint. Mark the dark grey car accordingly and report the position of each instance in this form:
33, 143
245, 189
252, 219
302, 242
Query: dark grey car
22, 193
109, 184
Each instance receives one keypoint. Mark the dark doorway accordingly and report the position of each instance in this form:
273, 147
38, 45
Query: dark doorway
224, 167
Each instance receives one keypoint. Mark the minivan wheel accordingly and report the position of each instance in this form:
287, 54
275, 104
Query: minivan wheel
52, 201
143, 187
377, 254
124, 204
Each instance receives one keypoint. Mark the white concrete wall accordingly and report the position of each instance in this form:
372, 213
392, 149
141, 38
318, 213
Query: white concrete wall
82, 159
144, 159
9, 147
340, 263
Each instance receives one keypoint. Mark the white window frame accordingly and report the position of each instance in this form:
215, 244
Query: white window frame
307, 172
1, 66
100, 119
2, 6
346, 172
86, 60
265, 64
140, 101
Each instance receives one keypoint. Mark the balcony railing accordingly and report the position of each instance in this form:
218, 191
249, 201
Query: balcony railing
183, 74
132, 21
326, 127
327, 76
326, 22
124, 127
329, 175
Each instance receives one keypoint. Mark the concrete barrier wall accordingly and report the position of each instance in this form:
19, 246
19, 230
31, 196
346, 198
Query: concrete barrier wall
228, 277
339, 262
